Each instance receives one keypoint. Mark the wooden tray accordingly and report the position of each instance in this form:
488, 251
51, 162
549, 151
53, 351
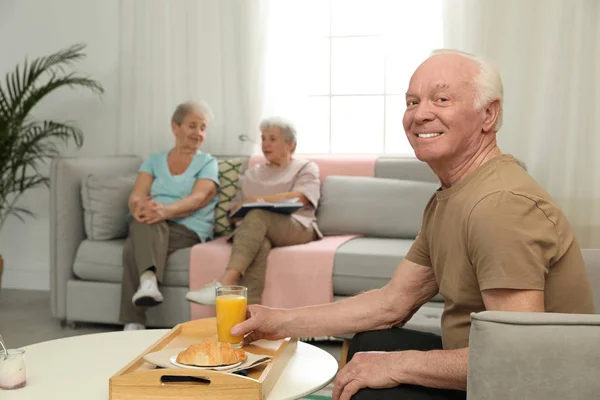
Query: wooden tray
141, 380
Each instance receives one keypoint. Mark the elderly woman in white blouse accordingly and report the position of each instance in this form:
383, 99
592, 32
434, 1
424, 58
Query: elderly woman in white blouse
281, 177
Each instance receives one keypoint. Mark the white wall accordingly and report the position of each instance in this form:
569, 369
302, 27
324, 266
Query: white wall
39, 27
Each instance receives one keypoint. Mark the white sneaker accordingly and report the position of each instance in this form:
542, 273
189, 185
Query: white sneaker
147, 294
206, 295
134, 326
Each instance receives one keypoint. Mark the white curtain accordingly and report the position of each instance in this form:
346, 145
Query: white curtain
548, 52
178, 50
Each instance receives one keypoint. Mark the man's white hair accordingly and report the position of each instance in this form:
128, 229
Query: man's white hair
488, 82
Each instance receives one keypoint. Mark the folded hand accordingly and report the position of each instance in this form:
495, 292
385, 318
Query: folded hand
141, 209
155, 212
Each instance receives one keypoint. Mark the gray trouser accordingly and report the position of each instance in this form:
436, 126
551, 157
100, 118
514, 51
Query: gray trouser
259, 232
148, 246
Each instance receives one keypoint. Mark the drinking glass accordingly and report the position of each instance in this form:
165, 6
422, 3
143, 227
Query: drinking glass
231, 304
12, 369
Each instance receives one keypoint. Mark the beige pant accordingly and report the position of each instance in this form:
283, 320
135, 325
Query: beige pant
259, 232
148, 246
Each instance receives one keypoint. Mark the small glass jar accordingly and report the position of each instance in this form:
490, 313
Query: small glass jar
12, 369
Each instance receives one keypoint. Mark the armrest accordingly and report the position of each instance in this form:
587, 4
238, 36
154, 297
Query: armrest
66, 215
591, 257
533, 356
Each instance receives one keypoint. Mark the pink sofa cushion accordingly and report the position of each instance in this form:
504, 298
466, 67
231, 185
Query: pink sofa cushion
296, 275
335, 165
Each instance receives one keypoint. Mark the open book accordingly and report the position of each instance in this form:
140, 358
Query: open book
287, 206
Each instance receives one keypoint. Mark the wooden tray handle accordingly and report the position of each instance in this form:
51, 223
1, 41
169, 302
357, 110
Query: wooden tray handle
183, 384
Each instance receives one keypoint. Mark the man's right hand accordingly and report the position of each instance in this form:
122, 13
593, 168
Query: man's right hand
262, 323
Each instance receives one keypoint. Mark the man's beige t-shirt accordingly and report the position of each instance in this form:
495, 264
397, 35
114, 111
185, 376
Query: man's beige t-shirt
498, 229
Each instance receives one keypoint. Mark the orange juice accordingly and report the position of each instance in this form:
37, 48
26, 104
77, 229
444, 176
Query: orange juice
231, 310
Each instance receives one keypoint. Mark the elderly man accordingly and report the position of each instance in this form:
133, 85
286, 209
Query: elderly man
491, 239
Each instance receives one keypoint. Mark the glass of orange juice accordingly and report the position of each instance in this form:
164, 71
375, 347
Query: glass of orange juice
231, 310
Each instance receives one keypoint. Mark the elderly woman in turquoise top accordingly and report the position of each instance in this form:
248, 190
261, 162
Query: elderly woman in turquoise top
172, 207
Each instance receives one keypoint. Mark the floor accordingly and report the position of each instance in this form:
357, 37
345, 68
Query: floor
25, 318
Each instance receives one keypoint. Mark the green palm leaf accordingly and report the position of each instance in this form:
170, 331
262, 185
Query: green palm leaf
25, 144
18, 211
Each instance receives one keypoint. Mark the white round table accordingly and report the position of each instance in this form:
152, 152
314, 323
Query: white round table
82, 365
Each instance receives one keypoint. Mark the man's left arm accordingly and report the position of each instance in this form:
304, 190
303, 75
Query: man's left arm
441, 369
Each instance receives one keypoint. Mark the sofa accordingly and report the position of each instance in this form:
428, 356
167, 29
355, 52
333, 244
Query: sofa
86, 268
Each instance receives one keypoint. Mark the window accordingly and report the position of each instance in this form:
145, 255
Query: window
339, 70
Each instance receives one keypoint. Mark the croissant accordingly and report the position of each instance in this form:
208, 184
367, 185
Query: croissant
211, 353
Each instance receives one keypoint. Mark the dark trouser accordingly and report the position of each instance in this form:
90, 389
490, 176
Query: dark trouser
148, 246
398, 339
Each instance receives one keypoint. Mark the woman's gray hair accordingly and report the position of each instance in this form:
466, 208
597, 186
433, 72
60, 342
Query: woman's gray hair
287, 129
488, 83
183, 109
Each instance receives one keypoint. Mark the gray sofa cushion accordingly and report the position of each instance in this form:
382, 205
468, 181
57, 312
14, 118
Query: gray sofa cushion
366, 263
105, 209
102, 261
372, 206
428, 318
369, 263
408, 168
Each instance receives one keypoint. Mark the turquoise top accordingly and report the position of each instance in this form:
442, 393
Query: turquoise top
168, 189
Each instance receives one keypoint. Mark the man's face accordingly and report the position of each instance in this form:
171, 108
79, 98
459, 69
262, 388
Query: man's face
440, 120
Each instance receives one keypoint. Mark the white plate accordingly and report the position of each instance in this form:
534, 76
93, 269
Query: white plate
173, 360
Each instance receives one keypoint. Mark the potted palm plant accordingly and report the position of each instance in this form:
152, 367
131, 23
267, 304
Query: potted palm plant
25, 143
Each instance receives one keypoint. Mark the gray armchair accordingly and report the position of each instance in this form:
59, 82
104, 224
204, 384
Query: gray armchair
537, 356
534, 356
